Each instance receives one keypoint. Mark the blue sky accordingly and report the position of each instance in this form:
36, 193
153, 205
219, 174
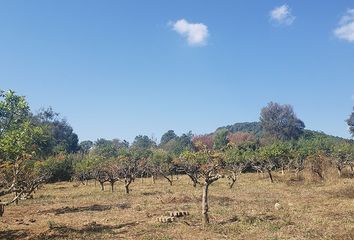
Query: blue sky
116, 69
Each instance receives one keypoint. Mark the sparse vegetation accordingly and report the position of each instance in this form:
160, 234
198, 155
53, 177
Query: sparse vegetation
300, 165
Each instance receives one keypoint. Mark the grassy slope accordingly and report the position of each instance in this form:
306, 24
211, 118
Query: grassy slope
310, 211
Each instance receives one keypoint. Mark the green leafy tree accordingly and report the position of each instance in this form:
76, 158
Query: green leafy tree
274, 156
221, 138
205, 165
105, 148
85, 146
342, 155
180, 144
236, 160
143, 142
20, 139
168, 136
62, 136
160, 163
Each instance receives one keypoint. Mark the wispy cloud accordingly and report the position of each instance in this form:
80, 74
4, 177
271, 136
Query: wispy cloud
345, 29
195, 33
282, 15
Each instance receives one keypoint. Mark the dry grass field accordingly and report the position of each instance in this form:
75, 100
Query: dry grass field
322, 210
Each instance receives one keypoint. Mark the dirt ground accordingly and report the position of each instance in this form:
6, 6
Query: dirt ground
322, 210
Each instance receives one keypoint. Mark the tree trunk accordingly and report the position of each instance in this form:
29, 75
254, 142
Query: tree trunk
270, 175
339, 169
205, 206
153, 178
112, 186
233, 179
2, 209
232, 183
126, 188
126, 185
102, 187
16, 199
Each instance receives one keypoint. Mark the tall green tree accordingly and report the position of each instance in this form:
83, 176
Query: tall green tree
143, 142
168, 136
350, 122
63, 139
280, 122
85, 146
220, 138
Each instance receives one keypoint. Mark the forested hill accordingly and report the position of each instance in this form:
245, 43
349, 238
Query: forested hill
250, 127
256, 129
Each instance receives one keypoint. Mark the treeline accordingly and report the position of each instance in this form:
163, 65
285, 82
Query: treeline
42, 147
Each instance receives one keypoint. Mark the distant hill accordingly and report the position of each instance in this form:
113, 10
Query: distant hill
256, 129
250, 127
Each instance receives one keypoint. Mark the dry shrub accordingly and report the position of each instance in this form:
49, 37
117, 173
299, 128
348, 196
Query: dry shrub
319, 168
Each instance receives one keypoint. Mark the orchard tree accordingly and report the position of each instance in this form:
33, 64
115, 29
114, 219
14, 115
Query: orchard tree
237, 159
85, 169
299, 152
342, 155
273, 156
112, 171
280, 122
207, 169
160, 163
128, 165
20, 139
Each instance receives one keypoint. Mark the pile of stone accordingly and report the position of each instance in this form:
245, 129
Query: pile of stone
172, 216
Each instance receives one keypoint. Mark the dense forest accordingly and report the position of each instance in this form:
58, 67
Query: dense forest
37, 148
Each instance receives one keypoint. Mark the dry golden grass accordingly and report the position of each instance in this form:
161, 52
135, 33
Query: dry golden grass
322, 210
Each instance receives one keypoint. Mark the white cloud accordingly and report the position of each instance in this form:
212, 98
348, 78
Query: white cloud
196, 33
345, 29
282, 15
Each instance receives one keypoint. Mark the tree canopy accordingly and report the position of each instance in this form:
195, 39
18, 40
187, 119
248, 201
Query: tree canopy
280, 122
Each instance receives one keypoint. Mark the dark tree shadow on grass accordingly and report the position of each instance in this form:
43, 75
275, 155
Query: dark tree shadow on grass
13, 234
64, 210
61, 231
